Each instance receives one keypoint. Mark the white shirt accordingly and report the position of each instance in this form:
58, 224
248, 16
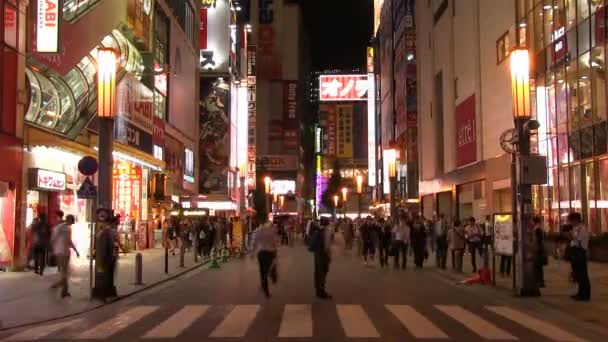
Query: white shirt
402, 232
62, 240
580, 237
265, 238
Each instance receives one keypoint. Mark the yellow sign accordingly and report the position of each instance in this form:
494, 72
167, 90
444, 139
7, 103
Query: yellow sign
237, 234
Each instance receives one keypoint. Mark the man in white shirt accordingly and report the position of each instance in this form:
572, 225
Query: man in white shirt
401, 240
61, 241
579, 246
265, 243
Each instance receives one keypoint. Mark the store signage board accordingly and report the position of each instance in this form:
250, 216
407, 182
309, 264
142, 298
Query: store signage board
343, 87
503, 234
47, 26
47, 180
87, 190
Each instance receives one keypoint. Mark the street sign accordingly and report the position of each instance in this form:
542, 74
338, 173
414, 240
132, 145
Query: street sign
88, 166
87, 190
503, 234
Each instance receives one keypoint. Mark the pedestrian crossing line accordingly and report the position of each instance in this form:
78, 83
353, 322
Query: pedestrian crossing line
114, 325
548, 330
355, 322
178, 322
237, 322
475, 323
418, 325
297, 321
37, 333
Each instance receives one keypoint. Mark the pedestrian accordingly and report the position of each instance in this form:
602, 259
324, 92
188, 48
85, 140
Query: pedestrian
170, 235
368, 241
265, 247
62, 243
540, 254
41, 237
441, 241
579, 247
384, 242
348, 235
473, 234
320, 246
419, 241
401, 241
457, 244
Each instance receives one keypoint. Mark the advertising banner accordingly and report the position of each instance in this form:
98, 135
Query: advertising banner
134, 111
344, 131
214, 140
252, 113
127, 183
47, 26
466, 132
268, 34
278, 162
158, 135
503, 234
290, 114
214, 57
203, 29
343, 87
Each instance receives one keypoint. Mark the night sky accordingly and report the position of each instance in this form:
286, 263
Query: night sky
339, 32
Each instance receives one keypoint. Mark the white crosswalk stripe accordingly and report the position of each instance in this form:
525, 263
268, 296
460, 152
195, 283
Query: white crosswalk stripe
418, 325
32, 334
178, 322
237, 322
297, 321
355, 322
541, 327
118, 323
475, 323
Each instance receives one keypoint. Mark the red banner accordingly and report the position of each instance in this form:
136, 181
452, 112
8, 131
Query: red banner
466, 132
343, 87
203, 29
158, 133
127, 183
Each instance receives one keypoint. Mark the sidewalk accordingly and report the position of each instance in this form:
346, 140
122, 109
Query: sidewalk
558, 287
25, 297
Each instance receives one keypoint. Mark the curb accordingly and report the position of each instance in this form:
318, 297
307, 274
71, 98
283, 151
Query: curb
118, 299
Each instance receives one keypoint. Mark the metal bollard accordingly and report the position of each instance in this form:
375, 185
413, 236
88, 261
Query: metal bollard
166, 260
195, 247
139, 268
182, 254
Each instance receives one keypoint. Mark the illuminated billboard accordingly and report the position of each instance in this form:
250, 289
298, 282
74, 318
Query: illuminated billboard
47, 26
343, 87
283, 187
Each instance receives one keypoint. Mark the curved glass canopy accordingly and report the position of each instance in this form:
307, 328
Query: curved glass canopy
65, 104
72, 9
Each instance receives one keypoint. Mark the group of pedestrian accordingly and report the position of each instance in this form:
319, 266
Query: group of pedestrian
209, 232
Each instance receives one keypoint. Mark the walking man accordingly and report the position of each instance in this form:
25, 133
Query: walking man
441, 241
265, 243
41, 233
320, 246
402, 240
61, 241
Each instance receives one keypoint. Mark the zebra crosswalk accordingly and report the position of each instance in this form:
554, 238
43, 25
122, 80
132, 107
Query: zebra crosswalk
150, 322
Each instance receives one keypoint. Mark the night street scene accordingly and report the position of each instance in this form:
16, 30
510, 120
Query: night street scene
304, 170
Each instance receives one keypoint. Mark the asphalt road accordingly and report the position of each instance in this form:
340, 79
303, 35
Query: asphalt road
369, 304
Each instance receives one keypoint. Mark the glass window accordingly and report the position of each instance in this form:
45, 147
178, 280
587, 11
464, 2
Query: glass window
584, 36
35, 96
583, 9
67, 114
564, 190
158, 152
602, 204
598, 83
576, 194
49, 105
539, 33
591, 196
570, 14
548, 19
571, 44
10, 25
159, 105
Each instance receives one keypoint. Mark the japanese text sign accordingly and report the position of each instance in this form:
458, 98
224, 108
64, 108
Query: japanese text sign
343, 87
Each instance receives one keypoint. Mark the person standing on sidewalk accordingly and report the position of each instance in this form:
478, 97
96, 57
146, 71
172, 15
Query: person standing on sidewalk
401, 241
579, 247
62, 243
265, 244
384, 241
441, 241
473, 234
320, 246
41, 235
457, 245
540, 254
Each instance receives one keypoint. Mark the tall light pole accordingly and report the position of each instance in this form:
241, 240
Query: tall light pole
525, 283
106, 105
344, 198
336, 198
243, 192
267, 182
391, 155
359, 193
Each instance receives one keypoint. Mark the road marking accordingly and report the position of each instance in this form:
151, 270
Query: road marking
541, 327
118, 323
418, 325
40, 332
180, 321
297, 321
355, 322
475, 323
237, 322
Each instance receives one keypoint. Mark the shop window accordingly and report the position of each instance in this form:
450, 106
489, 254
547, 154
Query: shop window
598, 83
602, 204
571, 44
502, 48
576, 190
10, 25
583, 9
564, 190
570, 14
158, 152
584, 36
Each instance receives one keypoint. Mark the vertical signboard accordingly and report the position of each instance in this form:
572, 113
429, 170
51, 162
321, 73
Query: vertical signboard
290, 114
267, 40
127, 182
466, 133
203, 29
344, 132
251, 116
47, 26
134, 111
214, 56
331, 131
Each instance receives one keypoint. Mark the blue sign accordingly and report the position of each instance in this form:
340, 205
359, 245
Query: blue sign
87, 190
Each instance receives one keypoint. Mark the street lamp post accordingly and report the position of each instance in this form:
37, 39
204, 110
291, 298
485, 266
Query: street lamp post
336, 198
344, 199
106, 103
391, 155
525, 282
359, 193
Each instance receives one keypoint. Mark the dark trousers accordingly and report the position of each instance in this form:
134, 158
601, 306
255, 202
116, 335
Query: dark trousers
419, 249
441, 251
457, 255
400, 250
539, 273
474, 248
321, 270
266, 260
39, 259
505, 264
581, 274
384, 250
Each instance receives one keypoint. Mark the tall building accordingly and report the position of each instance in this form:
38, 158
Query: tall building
154, 132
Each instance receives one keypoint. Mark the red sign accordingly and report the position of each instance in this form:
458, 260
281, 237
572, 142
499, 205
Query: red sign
203, 30
343, 87
158, 132
466, 132
126, 179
